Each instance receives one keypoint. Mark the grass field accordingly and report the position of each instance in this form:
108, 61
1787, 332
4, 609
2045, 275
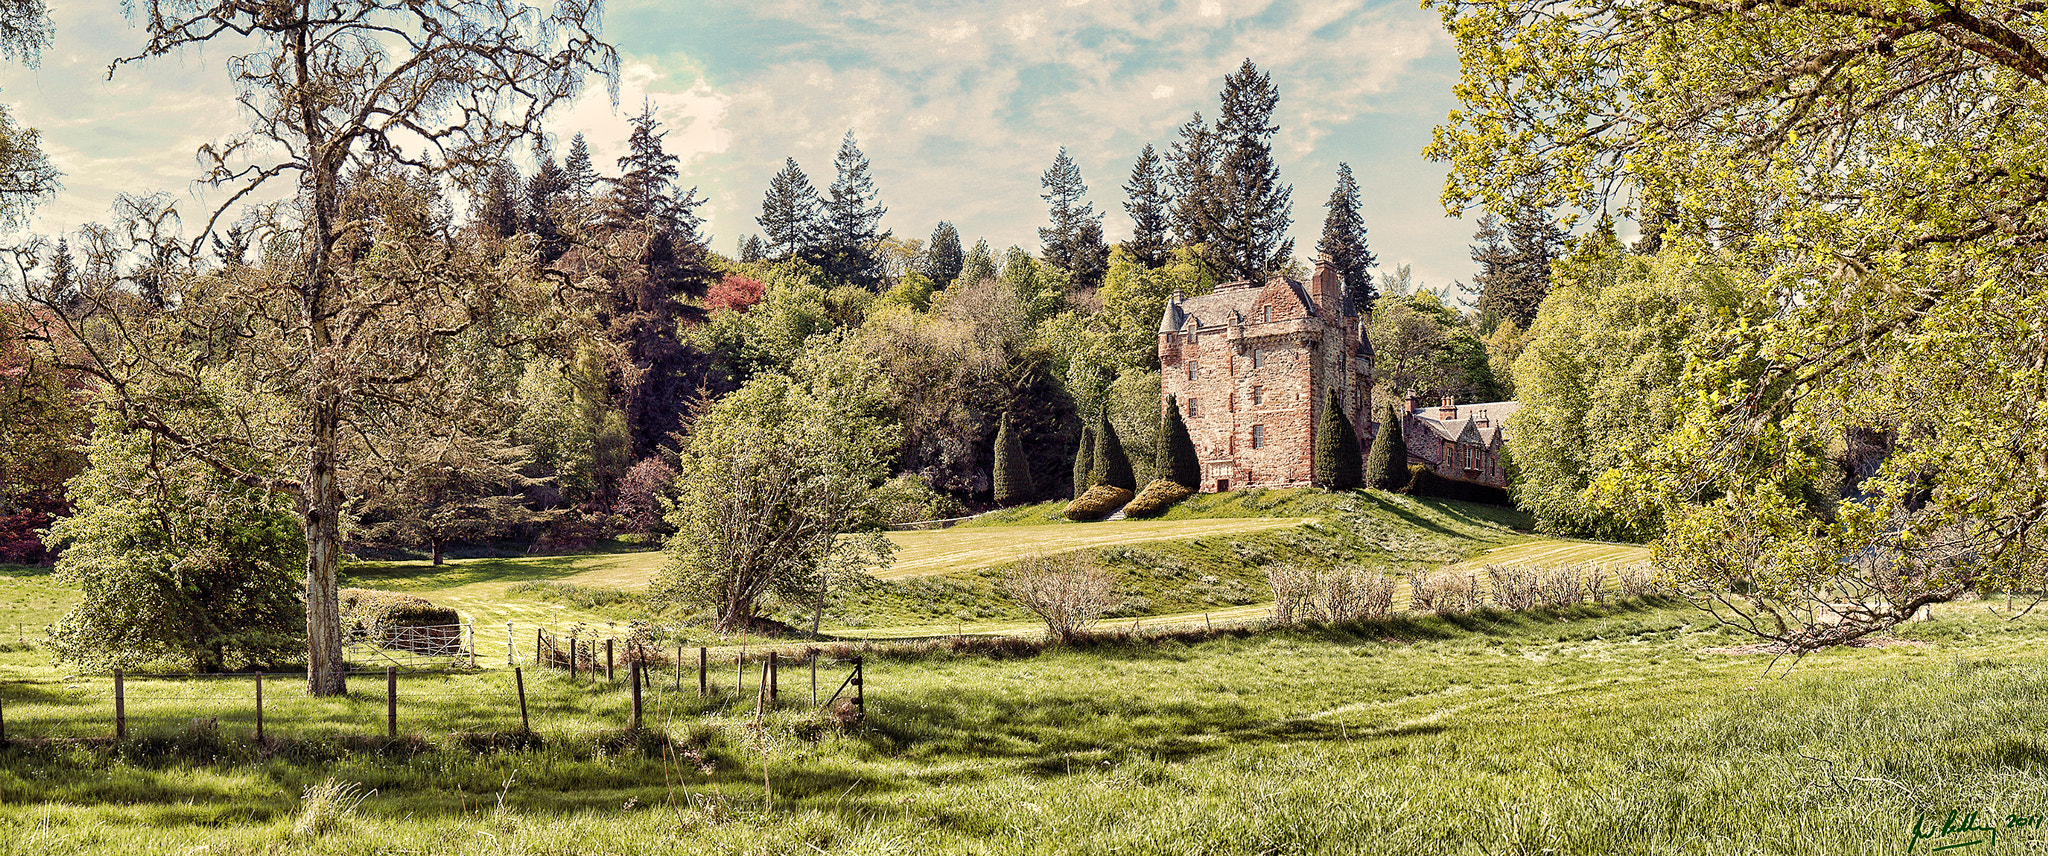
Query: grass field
1591, 731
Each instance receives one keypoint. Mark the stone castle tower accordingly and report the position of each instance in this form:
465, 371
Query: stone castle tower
1251, 365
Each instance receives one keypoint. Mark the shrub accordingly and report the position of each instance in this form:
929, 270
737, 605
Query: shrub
1100, 501
1012, 476
1443, 592
644, 492
1156, 498
1069, 592
326, 806
1513, 587
1337, 466
373, 614
1176, 460
1329, 596
1423, 481
908, 498
1639, 581
1112, 466
1387, 467
1084, 460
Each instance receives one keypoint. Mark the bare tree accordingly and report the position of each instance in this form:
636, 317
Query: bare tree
1069, 591
358, 309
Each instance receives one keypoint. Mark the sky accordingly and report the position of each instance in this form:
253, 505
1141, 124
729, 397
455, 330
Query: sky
959, 107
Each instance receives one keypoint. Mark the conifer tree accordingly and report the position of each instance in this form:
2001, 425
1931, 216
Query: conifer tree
1149, 205
942, 258
792, 217
1084, 461
1387, 467
1343, 242
578, 173
1112, 466
1012, 473
498, 211
1070, 244
750, 249
1176, 460
1192, 177
545, 193
852, 215
1337, 466
642, 191
1514, 256
1252, 208
980, 263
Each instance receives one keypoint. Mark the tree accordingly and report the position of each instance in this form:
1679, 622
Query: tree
547, 203
497, 207
1387, 467
772, 476
431, 488
852, 219
1424, 347
1248, 225
1192, 177
1012, 472
1176, 460
359, 312
1084, 459
751, 249
1336, 463
942, 259
1073, 242
1514, 264
1873, 166
792, 218
1343, 242
1110, 465
579, 174
1150, 206
174, 561
980, 264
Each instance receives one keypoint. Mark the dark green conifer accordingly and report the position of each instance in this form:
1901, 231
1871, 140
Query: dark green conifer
1112, 466
1012, 473
1176, 461
1336, 453
1387, 467
1084, 460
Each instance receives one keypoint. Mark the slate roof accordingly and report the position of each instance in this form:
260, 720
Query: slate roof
1497, 414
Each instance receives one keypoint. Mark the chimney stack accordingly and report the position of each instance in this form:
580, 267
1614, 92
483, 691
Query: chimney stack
1414, 402
1449, 410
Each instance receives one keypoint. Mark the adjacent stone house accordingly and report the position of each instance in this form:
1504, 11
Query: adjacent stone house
1251, 366
1459, 441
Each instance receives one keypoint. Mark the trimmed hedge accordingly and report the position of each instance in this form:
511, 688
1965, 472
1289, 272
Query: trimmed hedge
1156, 498
1100, 501
373, 614
1423, 481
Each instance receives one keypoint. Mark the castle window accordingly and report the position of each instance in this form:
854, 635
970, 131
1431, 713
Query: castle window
1191, 408
1266, 313
1191, 370
1258, 359
1258, 395
1258, 436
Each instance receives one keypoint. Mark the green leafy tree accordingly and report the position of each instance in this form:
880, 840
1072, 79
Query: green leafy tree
980, 263
1422, 346
176, 563
1387, 467
1337, 465
1012, 471
773, 475
1874, 166
1177, 460
1343, 242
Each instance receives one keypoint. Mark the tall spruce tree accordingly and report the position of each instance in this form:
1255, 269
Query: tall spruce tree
750, 249
853, 216
792, 217
1253, 209
1343, 243
1070, 244
1176, 460
642, 191
497, 211
980, 263
1514, 255
1191, 175
1084, 460
1387, 467
1149, 205
546, 197
1337, 465
1112, 466
942, 258
578, 172
1012, 475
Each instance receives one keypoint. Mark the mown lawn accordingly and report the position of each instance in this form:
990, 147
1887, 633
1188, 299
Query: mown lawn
1588, 731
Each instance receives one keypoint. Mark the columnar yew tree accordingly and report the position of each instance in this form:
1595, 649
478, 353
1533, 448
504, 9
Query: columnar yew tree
1012, 472
366, 311
1387, 467
1336, 452
1177, 461
1111, 466
1084, 460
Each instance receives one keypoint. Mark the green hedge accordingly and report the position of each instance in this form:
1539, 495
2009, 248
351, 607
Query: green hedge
371, 613
1156, 498
1100, 501
1423, 481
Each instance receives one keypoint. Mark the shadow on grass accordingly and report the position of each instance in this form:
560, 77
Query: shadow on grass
26, 572
425, 575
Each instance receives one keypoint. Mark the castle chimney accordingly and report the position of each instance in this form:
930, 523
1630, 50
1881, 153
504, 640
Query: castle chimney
1414, 402
1449, 410
1328, 288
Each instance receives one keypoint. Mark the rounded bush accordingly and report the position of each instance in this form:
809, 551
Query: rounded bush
1156, 498
1100, 501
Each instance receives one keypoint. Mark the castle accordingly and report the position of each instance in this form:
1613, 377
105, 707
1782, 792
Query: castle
1251, 367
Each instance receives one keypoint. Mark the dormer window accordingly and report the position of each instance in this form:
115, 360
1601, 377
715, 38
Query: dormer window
1266, 313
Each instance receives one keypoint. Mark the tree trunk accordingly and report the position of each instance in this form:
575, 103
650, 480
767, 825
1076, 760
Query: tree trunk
326, 672
437, 552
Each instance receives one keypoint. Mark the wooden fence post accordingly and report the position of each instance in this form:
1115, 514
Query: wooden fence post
860, 684
120, 708
536, 645
519, 682
259, 708
391, 702
633, 677
774, 678
679, 667
703, 672
608, 673
814, 677
739, 674
3, 717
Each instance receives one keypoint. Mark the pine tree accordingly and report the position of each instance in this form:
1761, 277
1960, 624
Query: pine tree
545, 193
792, 218
498, 211
1514, 259
642, 190
1176, 460
942, 259
1112, 466
750, 249
1387, 467
1253, 209
1192, 176
232, 249
1012, 473
579, 174
1084, 461
1336, 454
64, 269
852, 215
1069, 244
1151, 240
980, 263
1343, 242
